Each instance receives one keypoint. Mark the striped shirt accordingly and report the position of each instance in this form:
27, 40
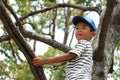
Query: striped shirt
80, 68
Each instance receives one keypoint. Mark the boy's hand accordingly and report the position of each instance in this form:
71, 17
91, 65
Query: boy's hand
38, 61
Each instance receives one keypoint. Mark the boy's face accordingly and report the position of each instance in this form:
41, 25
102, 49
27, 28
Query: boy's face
83, 31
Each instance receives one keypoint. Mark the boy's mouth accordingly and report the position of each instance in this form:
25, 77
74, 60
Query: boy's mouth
79, 34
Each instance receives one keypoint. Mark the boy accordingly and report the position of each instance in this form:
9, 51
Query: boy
79, 60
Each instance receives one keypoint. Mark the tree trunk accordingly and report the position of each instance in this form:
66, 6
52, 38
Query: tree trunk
103, 55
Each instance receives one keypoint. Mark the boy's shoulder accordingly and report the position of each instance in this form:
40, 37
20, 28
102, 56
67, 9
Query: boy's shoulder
84, 43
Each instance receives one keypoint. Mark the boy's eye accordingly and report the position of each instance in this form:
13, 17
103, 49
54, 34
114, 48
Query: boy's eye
80, 28
83, 27
76, 28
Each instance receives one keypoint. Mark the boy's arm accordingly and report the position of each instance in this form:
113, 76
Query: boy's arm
62, 58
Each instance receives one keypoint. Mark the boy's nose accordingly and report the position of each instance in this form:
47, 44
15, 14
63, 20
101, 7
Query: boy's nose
79, 30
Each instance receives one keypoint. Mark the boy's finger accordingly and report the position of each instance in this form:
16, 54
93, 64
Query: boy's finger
36, 64
34, 58
35, 61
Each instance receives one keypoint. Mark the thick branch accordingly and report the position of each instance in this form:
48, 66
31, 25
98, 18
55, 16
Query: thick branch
42, 38
46, 40
20, 41
15, 16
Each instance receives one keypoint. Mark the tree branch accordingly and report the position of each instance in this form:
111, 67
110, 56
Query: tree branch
42, 38
46, 40
15, 16
19, 58
4, 38
97, 8
13, 52
5, 54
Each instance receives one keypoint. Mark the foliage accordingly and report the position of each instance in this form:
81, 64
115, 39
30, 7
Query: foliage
85, 2
116, 74
10, 66
118, 46
56, 71
12, 71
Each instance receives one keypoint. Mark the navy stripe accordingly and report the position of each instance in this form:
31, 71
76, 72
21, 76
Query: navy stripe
80, 67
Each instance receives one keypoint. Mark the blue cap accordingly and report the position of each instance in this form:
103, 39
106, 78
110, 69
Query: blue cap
89, 21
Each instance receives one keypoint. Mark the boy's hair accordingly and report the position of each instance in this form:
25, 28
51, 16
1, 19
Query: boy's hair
89, 21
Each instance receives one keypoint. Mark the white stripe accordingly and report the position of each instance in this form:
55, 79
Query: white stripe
82, 64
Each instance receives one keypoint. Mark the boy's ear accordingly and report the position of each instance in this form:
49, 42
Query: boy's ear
93, 33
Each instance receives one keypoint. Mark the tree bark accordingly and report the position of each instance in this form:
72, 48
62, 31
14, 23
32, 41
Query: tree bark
109, 36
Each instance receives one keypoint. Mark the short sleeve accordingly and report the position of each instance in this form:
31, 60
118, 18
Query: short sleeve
79, 47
